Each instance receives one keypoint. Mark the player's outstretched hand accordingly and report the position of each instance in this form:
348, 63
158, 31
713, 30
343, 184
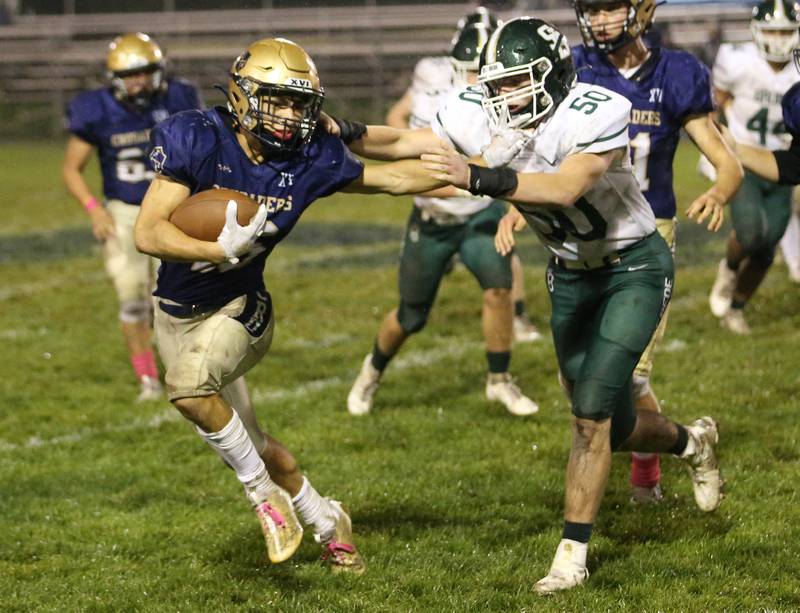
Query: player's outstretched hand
237, 240
513, 221
102, 223
447, 165
707, 206
329, 124
504, 147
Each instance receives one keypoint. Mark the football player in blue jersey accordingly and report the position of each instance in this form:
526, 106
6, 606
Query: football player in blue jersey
213, 314
116, 122
669, 90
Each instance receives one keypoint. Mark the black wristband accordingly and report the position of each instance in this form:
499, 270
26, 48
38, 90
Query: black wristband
350, 131
788, 162
494, 182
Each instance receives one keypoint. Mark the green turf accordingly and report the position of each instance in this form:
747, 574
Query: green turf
110, 506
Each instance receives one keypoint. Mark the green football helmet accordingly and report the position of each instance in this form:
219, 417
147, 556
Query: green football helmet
775, 26
465, 50
526, 71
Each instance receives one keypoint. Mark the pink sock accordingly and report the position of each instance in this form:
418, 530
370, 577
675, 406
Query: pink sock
144, 364
645, 470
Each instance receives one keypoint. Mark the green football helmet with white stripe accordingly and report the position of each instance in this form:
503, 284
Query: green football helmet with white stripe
775, 26
526, 71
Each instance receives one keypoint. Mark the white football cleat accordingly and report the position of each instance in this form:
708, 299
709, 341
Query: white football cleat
568, 570
340, 549
359, 400
150, 389
524, 330
500, 387
703, 467
282, 531
722, 291
734, 321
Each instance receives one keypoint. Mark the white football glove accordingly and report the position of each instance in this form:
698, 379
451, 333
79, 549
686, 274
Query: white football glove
505, 146
237, 240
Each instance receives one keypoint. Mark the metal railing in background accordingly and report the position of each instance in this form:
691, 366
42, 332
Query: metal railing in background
365, 54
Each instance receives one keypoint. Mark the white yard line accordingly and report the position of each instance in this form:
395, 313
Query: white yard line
259, 395
29, 289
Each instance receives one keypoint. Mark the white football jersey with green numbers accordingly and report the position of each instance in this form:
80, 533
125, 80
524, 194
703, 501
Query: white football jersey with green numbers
754, 115
613, 214
433, 82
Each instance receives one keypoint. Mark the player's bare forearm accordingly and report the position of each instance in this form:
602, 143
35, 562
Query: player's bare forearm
386, 143
397, 179
155, 235
563, 188
760, 161
709, 140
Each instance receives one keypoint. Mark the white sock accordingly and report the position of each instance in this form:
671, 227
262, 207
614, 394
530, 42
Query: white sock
315, 510
570, 552
237, 450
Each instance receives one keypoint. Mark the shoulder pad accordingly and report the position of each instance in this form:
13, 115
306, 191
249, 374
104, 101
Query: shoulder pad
462, 122
433, 73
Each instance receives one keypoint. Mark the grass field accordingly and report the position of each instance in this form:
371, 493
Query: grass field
110, 506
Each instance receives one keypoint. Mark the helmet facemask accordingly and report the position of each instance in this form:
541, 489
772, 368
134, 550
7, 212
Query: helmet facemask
775, 28
775, 43
257, 106
637, 20
524, 106
144, 97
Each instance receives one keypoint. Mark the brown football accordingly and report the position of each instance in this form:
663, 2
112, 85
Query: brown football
202, 215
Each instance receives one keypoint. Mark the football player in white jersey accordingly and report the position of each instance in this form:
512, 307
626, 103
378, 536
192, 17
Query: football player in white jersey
434, 77
670, 91
440, 228
750, 81
610, 276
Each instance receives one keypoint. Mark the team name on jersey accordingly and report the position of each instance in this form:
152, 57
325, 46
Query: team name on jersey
768, 97
273, 203
645, 118
126, 139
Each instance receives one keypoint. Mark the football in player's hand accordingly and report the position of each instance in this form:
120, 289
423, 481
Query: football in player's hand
202, 215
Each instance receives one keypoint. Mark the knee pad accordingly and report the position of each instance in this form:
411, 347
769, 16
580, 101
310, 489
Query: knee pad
641, 385
134, 311
412, 318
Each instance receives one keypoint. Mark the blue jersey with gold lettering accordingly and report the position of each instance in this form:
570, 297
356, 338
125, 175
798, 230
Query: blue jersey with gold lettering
121, 134
200, 150
667, 89
791, 110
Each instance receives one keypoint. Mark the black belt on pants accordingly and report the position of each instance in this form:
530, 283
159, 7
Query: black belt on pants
187, 311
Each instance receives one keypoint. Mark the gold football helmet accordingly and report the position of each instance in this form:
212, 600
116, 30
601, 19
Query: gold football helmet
275, 93
131, 54
637, 21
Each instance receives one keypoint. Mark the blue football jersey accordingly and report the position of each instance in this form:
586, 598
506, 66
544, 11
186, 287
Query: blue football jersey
121, 134
200, 150
791, 110
668, 88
